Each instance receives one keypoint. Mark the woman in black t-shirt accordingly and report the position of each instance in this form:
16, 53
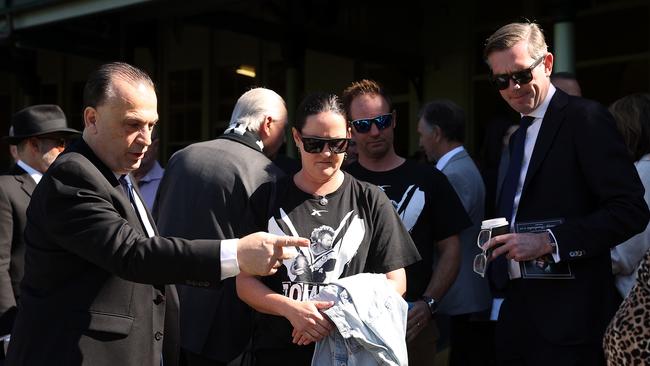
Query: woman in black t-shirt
352, 226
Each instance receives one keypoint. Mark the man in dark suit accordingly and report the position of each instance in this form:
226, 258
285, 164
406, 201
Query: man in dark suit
39, 133
571, 193
94, 287
218, 183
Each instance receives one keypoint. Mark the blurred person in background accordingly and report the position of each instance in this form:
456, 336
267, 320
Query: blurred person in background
632, 115
39, 134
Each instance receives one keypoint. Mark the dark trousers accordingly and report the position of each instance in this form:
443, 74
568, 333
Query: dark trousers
471, 341
192, 359
519, 343
293, 355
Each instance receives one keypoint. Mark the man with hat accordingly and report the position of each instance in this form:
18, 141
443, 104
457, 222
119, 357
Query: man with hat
39, 133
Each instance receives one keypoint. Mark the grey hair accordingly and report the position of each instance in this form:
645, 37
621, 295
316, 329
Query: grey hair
254, 106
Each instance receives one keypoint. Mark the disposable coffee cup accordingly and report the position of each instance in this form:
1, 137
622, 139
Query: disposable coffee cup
498, 226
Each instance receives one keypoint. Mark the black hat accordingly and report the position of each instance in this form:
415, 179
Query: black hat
38, 120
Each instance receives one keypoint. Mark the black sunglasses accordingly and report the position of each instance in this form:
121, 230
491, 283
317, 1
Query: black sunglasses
364, 125
502, 81
315, 145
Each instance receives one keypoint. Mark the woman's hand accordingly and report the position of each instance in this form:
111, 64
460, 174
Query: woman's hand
309, 324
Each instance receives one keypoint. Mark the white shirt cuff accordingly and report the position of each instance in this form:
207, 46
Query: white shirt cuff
229, 264
556, 253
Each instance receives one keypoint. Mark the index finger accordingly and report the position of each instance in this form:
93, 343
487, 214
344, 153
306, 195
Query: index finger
290, 241
496, 241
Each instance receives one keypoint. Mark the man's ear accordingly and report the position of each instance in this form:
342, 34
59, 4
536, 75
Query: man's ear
394, 123
296, 137
436, 133
548, 64
90, 119
265, 128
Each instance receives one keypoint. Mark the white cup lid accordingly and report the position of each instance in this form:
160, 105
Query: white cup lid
500, 221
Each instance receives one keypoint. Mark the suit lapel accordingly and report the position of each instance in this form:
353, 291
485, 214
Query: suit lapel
82, 148
26, 182
551, 123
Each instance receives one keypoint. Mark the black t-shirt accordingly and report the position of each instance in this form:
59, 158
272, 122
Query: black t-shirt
352, 230
428, 206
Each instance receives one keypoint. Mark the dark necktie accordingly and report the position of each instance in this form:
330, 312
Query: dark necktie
511, 181
498, 270
128, 189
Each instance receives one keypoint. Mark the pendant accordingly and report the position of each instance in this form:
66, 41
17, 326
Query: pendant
323, 201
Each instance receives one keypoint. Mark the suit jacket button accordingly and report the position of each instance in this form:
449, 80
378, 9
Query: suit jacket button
158, 336
159, 300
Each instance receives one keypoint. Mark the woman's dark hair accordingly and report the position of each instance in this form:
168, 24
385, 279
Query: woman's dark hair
632, 115
316, 103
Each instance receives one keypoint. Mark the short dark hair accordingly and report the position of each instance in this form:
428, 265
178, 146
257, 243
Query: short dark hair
316, 103
98, 86
363, 87
448, 116
632, 115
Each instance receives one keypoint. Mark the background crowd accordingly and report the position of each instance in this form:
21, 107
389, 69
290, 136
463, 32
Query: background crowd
87, 272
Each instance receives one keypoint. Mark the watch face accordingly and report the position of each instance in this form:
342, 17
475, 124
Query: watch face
431, 303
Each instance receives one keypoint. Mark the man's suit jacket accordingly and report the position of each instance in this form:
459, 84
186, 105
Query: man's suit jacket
469, 293
15, 192
87, 296
579, 172
220, 189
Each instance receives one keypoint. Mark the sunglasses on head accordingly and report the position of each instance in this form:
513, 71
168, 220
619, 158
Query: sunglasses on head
364, 125
502, 81
315, 145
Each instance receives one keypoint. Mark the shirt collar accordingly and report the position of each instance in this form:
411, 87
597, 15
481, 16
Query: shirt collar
155, 173
541, 110
442, 162
35, 174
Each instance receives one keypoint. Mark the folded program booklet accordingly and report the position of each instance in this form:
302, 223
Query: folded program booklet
544, 267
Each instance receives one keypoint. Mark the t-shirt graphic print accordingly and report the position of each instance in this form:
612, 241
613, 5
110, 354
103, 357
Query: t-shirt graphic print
325, 258
410, 205
352, 230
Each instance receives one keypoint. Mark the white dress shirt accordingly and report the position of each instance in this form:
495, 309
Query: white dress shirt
35, 174
442, 162
531, 138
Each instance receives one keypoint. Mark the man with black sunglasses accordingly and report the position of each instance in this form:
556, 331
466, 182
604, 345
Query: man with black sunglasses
570, 194
424, 200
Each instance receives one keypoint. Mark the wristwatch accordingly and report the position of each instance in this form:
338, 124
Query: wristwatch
432, 304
